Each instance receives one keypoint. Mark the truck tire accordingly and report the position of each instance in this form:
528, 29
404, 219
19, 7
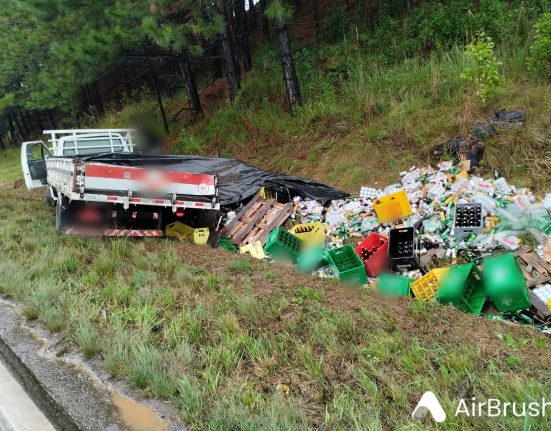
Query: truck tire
61, 213
50, 196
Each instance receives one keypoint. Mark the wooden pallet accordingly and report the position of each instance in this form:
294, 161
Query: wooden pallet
535, 269
256, 220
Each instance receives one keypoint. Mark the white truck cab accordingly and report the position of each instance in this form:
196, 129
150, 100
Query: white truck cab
70, 143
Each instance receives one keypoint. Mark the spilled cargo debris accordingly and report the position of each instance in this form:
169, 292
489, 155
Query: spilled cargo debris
439, 234
469, 149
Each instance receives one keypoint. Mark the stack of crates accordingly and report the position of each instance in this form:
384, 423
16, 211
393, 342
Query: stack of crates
392, 207
403, 249
311, 234
373, 251
282, 245
538, 297
393, 285
184, 232
468, 220
462, 287
505, 283
347, 265
311, 259
543, 293
425, 288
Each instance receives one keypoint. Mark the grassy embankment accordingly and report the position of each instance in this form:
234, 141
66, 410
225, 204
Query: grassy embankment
216, 333
363, 122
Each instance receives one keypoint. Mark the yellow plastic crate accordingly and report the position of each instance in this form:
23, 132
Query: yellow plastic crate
311, 234
184, 232
425, 288
392, 207
549, 305
255, 250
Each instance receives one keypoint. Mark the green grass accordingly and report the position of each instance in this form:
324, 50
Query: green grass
219, 341
10, 160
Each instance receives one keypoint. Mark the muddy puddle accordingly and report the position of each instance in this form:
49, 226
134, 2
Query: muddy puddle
134, 416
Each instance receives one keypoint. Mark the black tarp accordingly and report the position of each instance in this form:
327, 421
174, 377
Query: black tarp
237, 180
472, 145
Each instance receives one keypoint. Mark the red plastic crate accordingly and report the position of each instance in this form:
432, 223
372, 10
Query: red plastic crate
373, 251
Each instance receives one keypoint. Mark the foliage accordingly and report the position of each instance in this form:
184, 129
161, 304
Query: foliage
279, 9
540, 60
53, 49
484, 73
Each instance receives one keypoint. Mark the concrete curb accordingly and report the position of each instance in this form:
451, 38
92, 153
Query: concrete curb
24, 375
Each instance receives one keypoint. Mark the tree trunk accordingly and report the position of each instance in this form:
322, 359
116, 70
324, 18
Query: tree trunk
126, 78
252, 14
316, 18
213, 54
88, 96
2, 144
39, 121
191, 87
407, 6
98, 98
265, 22
22, 133
369, 18
228, 48
24, 122
50, 119
156, 88
28, 122
12, 129
242, 34
289, 72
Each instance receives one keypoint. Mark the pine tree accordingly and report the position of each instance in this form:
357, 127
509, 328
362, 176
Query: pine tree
228, 49
242, 33
280, 14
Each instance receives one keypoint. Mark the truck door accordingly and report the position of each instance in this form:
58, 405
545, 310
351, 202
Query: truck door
33, 163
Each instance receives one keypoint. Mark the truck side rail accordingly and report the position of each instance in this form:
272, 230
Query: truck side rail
69, 177
113, 135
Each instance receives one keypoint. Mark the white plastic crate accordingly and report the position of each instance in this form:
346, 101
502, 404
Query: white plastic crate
543, 292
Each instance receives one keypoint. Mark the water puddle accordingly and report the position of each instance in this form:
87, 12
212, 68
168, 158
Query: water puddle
136, 417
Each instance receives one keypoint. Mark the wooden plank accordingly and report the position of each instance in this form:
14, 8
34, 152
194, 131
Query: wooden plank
536, 271
245, 220
272, 215
256, 220
277, 221
259, 214
239, 215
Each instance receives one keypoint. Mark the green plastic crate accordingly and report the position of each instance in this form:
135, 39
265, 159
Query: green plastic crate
311, 259
226, 244
393, 285
505, 284
282, 245
463, 288
347, 265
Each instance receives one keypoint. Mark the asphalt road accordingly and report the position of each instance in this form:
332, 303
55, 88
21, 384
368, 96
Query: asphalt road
17, 411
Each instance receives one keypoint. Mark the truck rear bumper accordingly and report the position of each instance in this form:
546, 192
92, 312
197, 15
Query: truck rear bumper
136, 233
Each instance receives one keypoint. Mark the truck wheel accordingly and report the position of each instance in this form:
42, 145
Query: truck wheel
61, 213
50, 196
